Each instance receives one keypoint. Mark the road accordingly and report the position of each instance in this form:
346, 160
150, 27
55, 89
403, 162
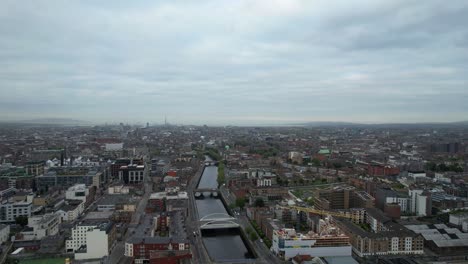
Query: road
117, 253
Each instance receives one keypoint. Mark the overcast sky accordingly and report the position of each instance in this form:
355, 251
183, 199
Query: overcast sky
234, 62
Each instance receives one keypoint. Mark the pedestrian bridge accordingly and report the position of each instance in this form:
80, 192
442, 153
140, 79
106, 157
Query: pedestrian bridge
218, 221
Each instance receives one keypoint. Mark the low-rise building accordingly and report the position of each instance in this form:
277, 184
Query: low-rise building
10, 211
77, 192
42, 226
154, 249
287, 243
441, 239
91, 239
4, 233
380, 236
71, 210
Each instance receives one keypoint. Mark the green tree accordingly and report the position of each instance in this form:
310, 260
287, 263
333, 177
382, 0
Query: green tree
240, 202
279, 181
248, 230
316, 162
253, 236
21, 220
337, 165
259, 202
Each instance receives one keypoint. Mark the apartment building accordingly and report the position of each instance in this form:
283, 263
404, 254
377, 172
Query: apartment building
91, 239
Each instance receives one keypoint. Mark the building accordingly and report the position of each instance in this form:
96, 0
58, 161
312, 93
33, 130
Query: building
91, 239
66, 177
4, 233
157, 249
382, 170
115, 166
158, 201
10, 211
460, 220
343, 197
262, 177
113, 146
42, 226
363, 200
123, 202
421, 203
132, 173
71, 210
120, 189
77, 192
441, 239
35, 168
380, 236
287, 243
416, 174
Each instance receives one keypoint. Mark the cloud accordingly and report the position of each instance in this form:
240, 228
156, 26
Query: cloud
237, 61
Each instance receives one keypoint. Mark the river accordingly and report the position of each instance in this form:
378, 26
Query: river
225, 244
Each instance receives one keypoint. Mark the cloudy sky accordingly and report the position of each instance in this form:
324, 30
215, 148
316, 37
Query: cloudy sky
234, 62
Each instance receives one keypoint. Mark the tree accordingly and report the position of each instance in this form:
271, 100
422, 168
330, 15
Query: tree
21, 220
279, 181
259, 202
316, 162
248, 230
253, 236
337, 165
240, 202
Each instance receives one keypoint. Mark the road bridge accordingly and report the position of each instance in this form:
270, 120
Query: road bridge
218, 221
206, 192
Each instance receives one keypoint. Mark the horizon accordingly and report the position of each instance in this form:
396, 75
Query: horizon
77, 122
240, 63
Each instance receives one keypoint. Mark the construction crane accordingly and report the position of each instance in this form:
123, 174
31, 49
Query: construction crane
319, 212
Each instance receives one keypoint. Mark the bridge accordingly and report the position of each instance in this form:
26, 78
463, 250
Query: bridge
206, 192
218, 221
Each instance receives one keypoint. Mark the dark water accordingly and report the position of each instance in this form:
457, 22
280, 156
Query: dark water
225, 244
208, 179
209, 206
221, 244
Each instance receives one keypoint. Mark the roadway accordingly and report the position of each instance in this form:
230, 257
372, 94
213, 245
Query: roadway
117, 253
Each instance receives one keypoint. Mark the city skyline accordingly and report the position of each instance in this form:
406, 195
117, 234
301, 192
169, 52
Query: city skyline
234, 63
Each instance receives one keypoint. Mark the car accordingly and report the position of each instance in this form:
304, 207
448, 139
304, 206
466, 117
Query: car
261, 240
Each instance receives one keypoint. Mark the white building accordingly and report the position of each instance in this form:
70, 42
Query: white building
440, 177
420, 203
91, 240
403, 202
121, 189
114, 146
460, 219
42, 226
416, 174
287, 244
77, 192
71, 211
10, 211
4, 233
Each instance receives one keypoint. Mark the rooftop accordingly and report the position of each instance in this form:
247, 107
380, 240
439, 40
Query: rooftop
441, 235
